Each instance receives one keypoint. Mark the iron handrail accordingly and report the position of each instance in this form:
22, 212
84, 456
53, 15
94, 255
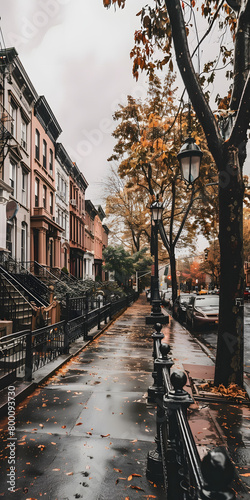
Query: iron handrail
10, 280
16, 289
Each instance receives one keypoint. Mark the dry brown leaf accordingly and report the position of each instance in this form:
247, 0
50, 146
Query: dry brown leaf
79, 423
105, 435
69, 473
117, 470
245, 475
136, 487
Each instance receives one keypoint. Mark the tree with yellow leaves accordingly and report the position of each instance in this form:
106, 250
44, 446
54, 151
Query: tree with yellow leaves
148, 137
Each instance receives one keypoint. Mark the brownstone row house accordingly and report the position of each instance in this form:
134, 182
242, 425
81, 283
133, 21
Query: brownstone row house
43, 214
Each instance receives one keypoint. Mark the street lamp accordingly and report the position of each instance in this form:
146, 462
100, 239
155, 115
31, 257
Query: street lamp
156, 315
190, 159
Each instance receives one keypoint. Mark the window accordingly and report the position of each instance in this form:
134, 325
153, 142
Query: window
24, 134
44, 196
11, 237
13, 177
37, 145
51, 203
36, 193
24, 243
44, 154
24, 187
50, 161
13, 121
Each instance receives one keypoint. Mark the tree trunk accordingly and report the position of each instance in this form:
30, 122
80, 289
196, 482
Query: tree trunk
229, 359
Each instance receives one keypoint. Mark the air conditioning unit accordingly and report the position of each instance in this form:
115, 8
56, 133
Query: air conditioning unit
73, 203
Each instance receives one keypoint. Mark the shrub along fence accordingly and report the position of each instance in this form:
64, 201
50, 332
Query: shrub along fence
22, 353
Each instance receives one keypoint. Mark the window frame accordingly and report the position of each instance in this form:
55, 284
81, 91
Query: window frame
37, 144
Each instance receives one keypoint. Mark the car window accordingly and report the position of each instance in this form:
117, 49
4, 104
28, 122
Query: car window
185, 299
207, 300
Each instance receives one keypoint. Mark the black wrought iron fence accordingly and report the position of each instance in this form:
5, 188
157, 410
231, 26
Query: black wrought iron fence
13, 353
47, 343
176, 461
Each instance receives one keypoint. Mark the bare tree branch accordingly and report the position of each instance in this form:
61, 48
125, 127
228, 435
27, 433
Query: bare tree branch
241, 125
184, 61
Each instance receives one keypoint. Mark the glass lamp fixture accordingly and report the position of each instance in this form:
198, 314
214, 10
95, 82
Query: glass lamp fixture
190, 159
156, 209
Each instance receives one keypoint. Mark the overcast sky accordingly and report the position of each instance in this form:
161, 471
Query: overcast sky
76, 53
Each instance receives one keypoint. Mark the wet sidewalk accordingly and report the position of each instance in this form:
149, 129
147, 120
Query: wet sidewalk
86, 432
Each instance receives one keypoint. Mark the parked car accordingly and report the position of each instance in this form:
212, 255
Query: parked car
247, 293
166, 297
202, 310
180, 306
162, 290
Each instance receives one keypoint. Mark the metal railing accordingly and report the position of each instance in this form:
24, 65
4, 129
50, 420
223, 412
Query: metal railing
18, 309
13, 352
26, 283
176, 462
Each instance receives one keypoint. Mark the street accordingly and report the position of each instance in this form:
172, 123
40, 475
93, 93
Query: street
208, 336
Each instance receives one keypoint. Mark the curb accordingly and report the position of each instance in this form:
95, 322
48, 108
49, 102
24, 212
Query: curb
26, 388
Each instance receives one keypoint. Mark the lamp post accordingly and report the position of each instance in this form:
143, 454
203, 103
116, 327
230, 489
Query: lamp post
190, 160
156, 315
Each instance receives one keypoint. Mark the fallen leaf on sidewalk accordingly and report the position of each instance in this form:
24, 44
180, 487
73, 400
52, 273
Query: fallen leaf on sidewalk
79, 423
136, 487
246, 475
56, 469
105, 435
69, 473
117, 470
